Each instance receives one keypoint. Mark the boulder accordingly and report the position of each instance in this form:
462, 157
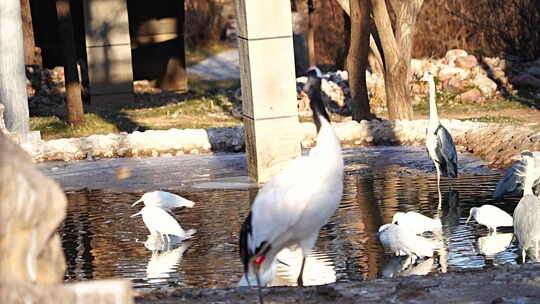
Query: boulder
526, 80
447, 72
32, 206
451, 55
466, 62
487, 86
471, 96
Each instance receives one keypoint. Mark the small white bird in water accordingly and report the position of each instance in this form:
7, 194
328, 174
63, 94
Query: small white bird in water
164, 200
527, 212
159, 221
490, 216
401, 241
415, 222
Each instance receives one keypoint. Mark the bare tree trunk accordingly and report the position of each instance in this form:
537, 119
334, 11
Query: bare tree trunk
311, 35
12, 76
357, 59
396, 67
31, 53
73, 88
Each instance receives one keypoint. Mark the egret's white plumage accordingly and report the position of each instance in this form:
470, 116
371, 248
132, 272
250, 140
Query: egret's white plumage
512, 181
490, 216
291, 208
527, 212
158, 220
439, 143
401, 241
492, 244
415, 222
164, 200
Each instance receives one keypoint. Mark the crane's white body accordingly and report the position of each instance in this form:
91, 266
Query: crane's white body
158, 220
164, 200
527, 212
292, 207
401, 241
491, 217
415, 222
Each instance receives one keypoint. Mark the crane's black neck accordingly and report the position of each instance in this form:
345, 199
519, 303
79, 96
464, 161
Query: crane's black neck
315, 101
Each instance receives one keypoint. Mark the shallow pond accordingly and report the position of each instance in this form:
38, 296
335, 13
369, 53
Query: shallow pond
101, 240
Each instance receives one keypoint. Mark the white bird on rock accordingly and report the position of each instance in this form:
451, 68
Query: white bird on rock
415, 222
491, 217
164, 200
158, 220
292, 207
439, 143
527, 212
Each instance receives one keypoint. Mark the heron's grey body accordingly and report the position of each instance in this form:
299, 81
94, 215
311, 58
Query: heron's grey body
439, 142
527, 212
512, 181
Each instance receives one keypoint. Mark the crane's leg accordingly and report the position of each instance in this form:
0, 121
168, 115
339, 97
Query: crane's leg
439, 186
300, 280
259, 287
523, 254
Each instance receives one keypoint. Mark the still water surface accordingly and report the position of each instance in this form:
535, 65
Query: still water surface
102, 241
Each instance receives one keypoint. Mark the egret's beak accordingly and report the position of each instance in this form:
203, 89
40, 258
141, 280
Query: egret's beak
138, 213
469, 218
137, 202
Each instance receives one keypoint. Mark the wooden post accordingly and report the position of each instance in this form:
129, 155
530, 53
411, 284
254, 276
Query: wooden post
268, 85
12, 76
311, 34
73, 87
31, 53
108, 50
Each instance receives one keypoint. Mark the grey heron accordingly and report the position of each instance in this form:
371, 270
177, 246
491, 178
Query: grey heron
491, 217
401, 241
527, 212
439, 143
158, 220
290, 209
415, 222
512, 181
164, 200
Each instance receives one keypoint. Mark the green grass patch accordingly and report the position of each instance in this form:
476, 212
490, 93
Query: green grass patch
52, 127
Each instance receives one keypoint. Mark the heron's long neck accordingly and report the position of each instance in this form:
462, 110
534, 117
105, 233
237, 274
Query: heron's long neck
528, 181
433, 116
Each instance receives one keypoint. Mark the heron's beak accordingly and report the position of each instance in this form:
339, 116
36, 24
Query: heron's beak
137, 202
468, 219
138, 213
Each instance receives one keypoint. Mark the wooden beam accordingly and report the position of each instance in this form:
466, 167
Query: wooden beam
268, 85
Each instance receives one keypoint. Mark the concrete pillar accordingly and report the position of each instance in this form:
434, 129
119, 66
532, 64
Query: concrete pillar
108, 51
268, 85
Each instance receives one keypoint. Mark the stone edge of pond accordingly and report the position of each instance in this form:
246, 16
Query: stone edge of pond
499, 145
485, 286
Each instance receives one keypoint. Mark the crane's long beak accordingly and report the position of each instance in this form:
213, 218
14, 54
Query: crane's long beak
140, 200
138, 213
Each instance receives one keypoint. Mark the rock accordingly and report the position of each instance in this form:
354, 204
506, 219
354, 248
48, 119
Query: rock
487, 86
447, 72
526, 80
454, 82
534, 70
32, 207
471, 96
466, 62
451, 55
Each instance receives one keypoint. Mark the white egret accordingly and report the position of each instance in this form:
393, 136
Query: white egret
439, 143
401, 241
164, 200
291, 208
159, 221
490, 216
512, 181
415, 222
527, 212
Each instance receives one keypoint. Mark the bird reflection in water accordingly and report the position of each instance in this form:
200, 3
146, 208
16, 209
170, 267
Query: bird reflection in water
162, 261
405, 266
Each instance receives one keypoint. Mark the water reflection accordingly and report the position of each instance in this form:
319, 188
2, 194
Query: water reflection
406, 265
99, 237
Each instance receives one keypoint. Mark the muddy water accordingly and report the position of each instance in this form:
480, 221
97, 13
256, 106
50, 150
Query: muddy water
101, 240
